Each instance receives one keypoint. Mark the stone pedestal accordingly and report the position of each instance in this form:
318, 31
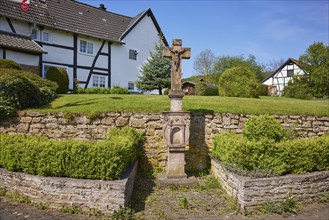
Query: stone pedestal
176, 135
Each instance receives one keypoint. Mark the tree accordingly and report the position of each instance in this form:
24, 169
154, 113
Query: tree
316, 62
226, 62
316, 59
204, 63
238, 82
274, 64
155, 73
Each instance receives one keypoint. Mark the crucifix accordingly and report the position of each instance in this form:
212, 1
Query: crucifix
176, 53
176, 129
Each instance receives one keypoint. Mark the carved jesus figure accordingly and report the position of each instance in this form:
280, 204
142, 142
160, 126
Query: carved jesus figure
176, 53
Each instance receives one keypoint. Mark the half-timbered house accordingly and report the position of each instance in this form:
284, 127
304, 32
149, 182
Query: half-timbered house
277, 80
97, 47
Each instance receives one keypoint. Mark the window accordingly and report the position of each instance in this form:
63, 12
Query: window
34, 34
95, 81
86, 47
99, 81
133, 54
290, 73
45, 37
131, 86
102, 81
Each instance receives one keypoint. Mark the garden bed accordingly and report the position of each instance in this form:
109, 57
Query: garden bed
57, 192
251, 192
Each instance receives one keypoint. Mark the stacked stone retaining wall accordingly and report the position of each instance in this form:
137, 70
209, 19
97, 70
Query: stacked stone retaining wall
251, 192
203, 128
57, 192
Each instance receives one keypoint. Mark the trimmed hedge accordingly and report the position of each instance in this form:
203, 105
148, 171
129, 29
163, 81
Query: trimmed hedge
59, 76
265, 149
99, 90
20, 89
105, 160
264, 126
9, 64
267, 158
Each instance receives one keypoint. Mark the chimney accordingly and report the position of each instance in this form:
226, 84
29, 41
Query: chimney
101, 6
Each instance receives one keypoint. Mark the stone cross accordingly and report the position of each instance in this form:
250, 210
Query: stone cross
176, 53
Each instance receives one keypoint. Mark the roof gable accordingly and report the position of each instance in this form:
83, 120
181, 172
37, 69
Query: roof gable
135, 20
287, 62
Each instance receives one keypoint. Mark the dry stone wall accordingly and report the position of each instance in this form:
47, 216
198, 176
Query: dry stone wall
57, 192
251, 192
203, 128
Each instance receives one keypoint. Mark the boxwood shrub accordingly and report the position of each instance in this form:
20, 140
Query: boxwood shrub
9, 64
59, 76
99, 90
105, 160
20, 89
266, 149
268, 158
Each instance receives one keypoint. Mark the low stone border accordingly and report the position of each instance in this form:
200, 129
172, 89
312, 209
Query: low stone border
251, 192
57, 192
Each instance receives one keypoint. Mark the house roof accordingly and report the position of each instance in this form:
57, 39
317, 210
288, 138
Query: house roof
287, 62
76, 17
193, 83
20, 43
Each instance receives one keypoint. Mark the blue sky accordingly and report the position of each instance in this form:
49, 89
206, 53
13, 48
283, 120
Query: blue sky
267, 29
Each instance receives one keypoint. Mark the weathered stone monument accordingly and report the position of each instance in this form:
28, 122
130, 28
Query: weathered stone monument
176, 130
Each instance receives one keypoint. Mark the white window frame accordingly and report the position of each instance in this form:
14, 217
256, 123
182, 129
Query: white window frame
133, 86
37, 32
98, 82
46, 64
132, 55
43, 34
88, 43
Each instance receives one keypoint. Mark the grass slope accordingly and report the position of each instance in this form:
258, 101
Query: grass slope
90, 103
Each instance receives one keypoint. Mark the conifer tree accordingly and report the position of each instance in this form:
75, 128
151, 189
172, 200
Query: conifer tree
155, 73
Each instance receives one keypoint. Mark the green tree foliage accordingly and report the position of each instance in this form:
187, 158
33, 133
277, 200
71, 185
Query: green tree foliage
59, 76
200, 88
226, 62
316, 63
238, 82
155, 73
9, 64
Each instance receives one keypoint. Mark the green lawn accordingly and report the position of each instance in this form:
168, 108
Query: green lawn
91, 103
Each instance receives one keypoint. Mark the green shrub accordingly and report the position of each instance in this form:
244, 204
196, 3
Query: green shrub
119, 90
200, 88
59, 76
263, 89
238, 82
95, 90
266, 157
106, 160
298, 88
264, 126
20, 89
9, 64
211, 91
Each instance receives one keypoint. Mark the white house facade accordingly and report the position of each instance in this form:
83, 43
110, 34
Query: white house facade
98, 48
280, 77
